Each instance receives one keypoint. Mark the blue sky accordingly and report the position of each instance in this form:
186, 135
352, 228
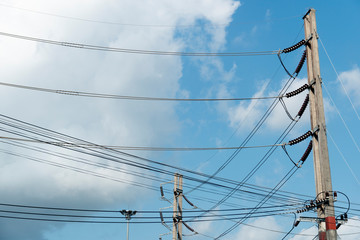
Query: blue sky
184, 26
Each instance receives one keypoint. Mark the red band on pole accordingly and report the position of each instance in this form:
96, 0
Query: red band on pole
330, 223
322, 235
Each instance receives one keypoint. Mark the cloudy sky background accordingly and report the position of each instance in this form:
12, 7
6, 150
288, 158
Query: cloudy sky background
190, 26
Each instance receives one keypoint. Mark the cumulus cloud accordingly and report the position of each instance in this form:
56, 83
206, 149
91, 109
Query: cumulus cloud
351, 80
100, 121
252, 233
246, 114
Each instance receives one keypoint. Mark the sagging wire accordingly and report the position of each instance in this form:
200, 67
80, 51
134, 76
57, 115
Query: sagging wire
302, 109
303, 158
299, 66
296, 141
297, 91
295, 224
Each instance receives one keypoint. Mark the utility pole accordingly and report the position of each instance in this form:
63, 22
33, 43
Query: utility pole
128, 214
177, 207
326, 214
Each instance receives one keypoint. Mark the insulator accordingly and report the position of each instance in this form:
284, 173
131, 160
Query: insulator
162, 218
303, 107
301, 63
301, 138
307, 152
294, 47
297, 91
335, 196
187, 200
327, 195
296, 223
338, 225
161, 191
345, 216
188, 227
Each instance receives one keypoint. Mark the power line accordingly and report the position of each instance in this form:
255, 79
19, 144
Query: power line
123, 97
96, 153
139, 51
134, 24
138, 148
340, 80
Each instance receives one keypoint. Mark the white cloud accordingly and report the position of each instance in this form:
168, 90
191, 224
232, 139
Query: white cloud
252, 233
101, 121
278, 119
246, 114
351, 81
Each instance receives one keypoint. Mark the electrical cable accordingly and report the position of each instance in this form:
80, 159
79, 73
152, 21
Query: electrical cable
123, 97
132, 24
137, 148
340, 80
138, 51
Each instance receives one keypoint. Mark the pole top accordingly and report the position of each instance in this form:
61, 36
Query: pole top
307, 13
128, 213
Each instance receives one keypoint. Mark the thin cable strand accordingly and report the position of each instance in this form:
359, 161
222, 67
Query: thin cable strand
138, 51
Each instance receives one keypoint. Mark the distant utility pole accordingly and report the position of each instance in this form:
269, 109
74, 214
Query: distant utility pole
177, 207
128, 214
326, 214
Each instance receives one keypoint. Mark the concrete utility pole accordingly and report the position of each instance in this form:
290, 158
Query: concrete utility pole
128, 214
326, 214
177, 207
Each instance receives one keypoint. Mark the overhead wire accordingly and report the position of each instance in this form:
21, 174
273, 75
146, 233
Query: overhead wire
268, 153
132, 24
260, 163
139, 148
138, 51
258, 125
340, 80
112, 169
123, 97
342, 119
342, 156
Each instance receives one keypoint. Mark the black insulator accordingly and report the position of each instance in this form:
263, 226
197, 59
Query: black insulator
296, 223
188, 227
162, 218
297, 91
187, 200
162, 191
301, 138
338, 225
303, 107
294, 47
307, 152
345, 216
301, 63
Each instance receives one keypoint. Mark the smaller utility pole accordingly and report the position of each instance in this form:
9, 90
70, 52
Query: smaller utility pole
128, 214
177, 207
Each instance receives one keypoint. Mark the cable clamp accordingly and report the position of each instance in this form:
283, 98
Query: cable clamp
316, 129
307, 40
312, 82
